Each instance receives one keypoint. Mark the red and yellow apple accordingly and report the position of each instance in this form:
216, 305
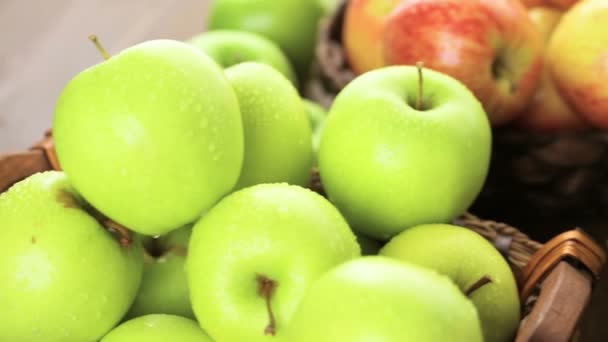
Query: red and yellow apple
561, 4
491, 46
548, 111
533, 3
577, 56
362, 32
557, 4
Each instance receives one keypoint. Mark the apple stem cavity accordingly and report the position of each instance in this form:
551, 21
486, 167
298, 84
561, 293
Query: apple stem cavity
266, 288
485, 280
419, 66
124, 237
99, 47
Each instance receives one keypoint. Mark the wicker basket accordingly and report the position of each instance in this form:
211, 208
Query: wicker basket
561, 175
555, 279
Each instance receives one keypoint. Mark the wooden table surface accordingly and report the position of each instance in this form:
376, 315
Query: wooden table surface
43, 44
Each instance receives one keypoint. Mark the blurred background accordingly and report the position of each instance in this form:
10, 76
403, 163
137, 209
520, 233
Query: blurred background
43, 44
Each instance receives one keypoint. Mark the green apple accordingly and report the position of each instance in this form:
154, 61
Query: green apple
151, 137
164, 287
394, 155
230, 47
158, 328
276, 126
328, 6
465, 257
292, 24
63, 276
255, 254
369, 246
317, 115
375, 298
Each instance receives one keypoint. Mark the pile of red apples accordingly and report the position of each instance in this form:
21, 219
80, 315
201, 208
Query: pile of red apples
537, 65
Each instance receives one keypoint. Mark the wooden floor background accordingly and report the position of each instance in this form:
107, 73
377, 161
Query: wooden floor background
43, 44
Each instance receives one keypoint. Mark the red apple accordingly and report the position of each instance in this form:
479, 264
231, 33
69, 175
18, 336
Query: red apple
561, 4
578, 59
548, 111
533, 3
362, 32
491, 46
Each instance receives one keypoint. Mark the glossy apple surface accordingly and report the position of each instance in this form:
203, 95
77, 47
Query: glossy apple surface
548, 111
164, 287
151, 137
255, 254
388, 166
158, 328
63, 276
317, 115
276, 126
465, 257
375, 298
362, 32
491, 46
578, 59
230, 47
292, 24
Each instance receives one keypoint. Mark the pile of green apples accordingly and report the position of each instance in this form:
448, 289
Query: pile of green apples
182, 211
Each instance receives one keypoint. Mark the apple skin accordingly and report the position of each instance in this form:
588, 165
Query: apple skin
317, 115
63, 276
164, 287
491, 46
465, 257
388, 166
548, 111
284, 232
230, 47
151, 137
276, 126
376, 298
563, 5
578, 59
292, 24
362, 33
158, 328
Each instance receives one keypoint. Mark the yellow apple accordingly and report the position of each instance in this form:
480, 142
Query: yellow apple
577, 56
548, 111
362, 32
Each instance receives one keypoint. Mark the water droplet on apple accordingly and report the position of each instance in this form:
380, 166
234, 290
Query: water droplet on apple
123, 172
211, 147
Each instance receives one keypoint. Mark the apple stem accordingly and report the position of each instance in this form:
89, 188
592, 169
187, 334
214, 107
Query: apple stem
99, 47
123, 234
477, 285
266, 288
419, 65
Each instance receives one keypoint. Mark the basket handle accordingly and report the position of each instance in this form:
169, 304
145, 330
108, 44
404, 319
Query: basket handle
562, 272
17, 166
